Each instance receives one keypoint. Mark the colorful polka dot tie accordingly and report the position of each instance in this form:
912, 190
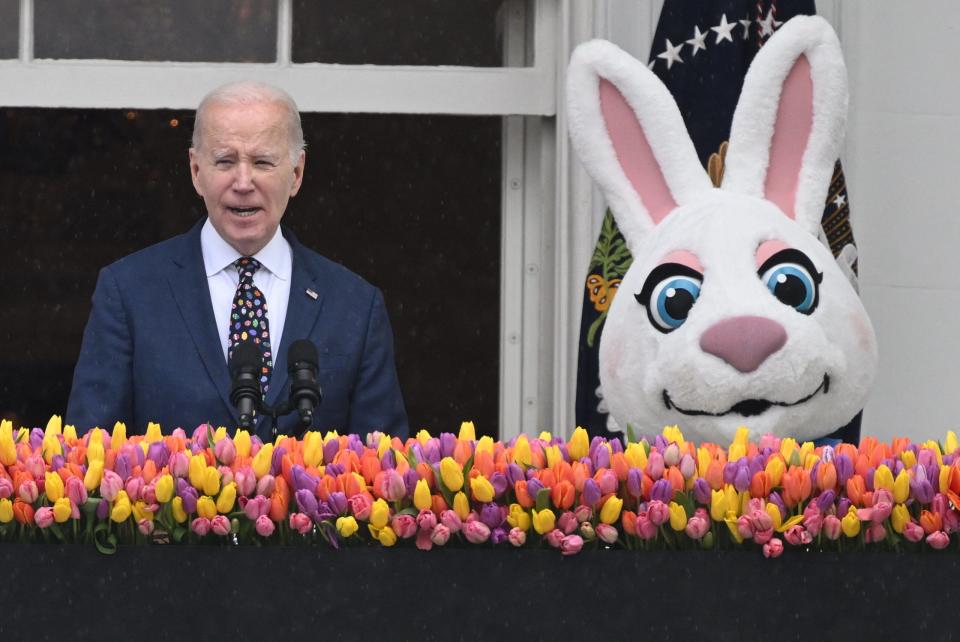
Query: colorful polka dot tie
248, 318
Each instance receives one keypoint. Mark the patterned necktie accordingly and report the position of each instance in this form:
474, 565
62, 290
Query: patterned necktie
248, 318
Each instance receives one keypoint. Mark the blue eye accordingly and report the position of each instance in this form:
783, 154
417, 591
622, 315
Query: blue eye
792, 279
669, 294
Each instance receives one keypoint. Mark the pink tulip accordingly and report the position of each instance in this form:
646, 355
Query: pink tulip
646, 529
220, 525
35, 466
360, 506
200, 526
426, 520
424, 539
264, 526
134, 488
225, 451
44, 517
246, 481
476, 532
440, 535
179, 465
149, 493
764, 536
796, 535
6, 488
583, 513
773, 548
744, 527
554, 537
301, 523
226, 475
517, 536
875, 533
405, 526
608, 482
671, 455
607, 533
567, 522
813, 524
257, 507
392, 487
28, 491
937, 539
145, 526
571, 545
655, 465
832, 527
697, 527
110, 485
913, 531
451, 520
658, 512
266, 485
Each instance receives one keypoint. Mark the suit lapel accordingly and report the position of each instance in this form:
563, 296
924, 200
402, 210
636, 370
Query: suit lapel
303, 310
188, 284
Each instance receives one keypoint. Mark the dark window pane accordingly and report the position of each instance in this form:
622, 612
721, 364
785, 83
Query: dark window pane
9, 28
179, 30
412, 32
411, 203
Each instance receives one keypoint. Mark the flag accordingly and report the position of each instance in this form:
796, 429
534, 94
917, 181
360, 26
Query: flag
701, 52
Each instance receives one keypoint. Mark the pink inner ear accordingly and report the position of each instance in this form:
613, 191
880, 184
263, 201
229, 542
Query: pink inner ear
634, 153
790, 135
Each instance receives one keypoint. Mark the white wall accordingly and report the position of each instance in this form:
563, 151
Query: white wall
903, 177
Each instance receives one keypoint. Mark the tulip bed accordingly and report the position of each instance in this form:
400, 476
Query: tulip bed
108, 489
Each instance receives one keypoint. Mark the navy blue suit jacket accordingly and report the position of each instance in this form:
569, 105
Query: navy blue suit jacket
151, 349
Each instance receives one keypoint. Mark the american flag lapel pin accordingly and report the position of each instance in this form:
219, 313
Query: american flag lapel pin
313, 295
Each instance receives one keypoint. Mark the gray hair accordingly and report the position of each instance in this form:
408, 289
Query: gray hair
249, 92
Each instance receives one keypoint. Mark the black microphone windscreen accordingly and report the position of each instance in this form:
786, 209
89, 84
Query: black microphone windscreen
302, 351
246, 356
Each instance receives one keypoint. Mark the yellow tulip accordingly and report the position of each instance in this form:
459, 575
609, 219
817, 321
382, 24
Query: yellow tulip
423, 436
164, 489
70, 433
312, 449
485, 445
206, 507
53, 486
119, 436
718, 505
636, 456
51, 447
850, 523
787, 446
482, 489
8, 448
775, 469
883, 478
461, 505
62, 510
732, 499
950, 443
140, 511
421, 495
153, 433
91, 479
211, 481
579, 444
145, 447
387, 536
451, 474
610, 512
95, 451
219, 433
738, 448
553, 455
673, 433
6, 511
379, 514
730, 519
121, 507
703, 461
944, 479
177, 509
545, 435
384, 445
901, 487
518, 517
809, 461
347, 526
544, 521
678, 516
54, 426
196, 471
899, 516
241, 440
521, 451
262, 460
774, 512
467, 431
228, 496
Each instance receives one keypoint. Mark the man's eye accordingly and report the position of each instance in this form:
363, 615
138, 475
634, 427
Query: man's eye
223, 162
263, 163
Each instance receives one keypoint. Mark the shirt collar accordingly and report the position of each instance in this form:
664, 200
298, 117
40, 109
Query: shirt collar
218, 255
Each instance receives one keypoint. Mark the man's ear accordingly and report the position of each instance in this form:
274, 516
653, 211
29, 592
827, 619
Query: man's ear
195, 170
297, 172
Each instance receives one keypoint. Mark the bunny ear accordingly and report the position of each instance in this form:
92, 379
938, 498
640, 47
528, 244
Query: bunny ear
788, 126
630, 136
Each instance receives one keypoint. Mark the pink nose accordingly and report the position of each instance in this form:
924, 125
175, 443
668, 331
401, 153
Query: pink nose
743, 342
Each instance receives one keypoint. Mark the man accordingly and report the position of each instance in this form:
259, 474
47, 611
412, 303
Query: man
166, 319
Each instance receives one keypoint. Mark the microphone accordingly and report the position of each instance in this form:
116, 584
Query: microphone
304, 389
245, 391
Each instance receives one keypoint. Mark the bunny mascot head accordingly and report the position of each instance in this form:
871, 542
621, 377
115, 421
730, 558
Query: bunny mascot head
733, 313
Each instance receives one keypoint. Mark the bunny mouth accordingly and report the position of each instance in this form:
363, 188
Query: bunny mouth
747, 407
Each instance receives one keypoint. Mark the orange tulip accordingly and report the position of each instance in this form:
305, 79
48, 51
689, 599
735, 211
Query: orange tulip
425, 471
931, 522
760, 484
278, 507
351, 484
439, 504
827, 476
325, 486
563, 494
856, 487
628, 519
620, 466
564, 471
580, 474
714, 475
462, 451
523, 497
369, 466
22, 511
483, 461
149, 471
796, 485
548, 478
675, 477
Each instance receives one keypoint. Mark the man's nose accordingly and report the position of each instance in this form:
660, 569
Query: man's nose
243, 177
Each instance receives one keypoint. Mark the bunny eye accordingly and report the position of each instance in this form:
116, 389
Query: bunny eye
792, 279
669, 294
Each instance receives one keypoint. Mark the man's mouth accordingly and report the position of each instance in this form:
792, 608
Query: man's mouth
747, 407
244, 211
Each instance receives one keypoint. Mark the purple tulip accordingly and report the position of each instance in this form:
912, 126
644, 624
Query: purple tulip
189, 498
825, 500
688, 467
662, 491
121, 466
514, 474
635, 482
410, 479
868, 478
324, 512
616, 445
431, 452
338, 503
498, 536
601, 458
36, 439
730, 471
200, 435
448, 443
590, 495
330, 449
843, 506
701, 491
844, 469
302, 479
921, 490
276, 463
103, 509
827, 454
491, 515
776, 499
307, 502
159, 454
500, 483
333, 469
56, 463
742, 480
355, 444
389, 460
660, 443
533, 487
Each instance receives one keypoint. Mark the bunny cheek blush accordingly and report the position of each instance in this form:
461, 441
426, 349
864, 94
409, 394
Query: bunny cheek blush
733, 313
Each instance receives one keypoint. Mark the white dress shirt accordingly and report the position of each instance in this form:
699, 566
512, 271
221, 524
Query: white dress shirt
273, 279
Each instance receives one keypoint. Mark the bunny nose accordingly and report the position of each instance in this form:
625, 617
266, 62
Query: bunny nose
744, 342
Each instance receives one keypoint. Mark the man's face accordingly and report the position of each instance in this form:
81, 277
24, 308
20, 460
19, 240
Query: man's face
244, 172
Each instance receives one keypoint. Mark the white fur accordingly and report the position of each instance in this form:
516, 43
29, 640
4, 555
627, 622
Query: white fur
723, 228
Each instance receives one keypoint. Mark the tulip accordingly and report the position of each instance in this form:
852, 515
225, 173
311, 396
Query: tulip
262, 461
53, 486
850, 523
518, 517
451, 520
571, 545
62, 509
189, 497
938, 540
146, 527
225, 451
134, 488
913, 532
44, 517
206, 507
655, 465
658, 512
421, 495
461, 505
361, 506
211, 481
607, 533
591, 493
265, 527
930, 521
197, 470
121, 507
405, 526
773, 548
228, 497
543, 521
467, 431
678, 517
476, 532
610, 511
697, 527
645, 528
23, 512
6, 511
517, 537
481, 489
179, 513
301, 523
554, 538
164, 489
579, 444
451, 473
200, 526
379, 514
567, 522
883, 478
220, 525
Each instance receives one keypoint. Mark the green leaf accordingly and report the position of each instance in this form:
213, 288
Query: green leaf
57, 531
105, 541
686, 501
466, 468
179, 532
411, 457
543, 499
631, 435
